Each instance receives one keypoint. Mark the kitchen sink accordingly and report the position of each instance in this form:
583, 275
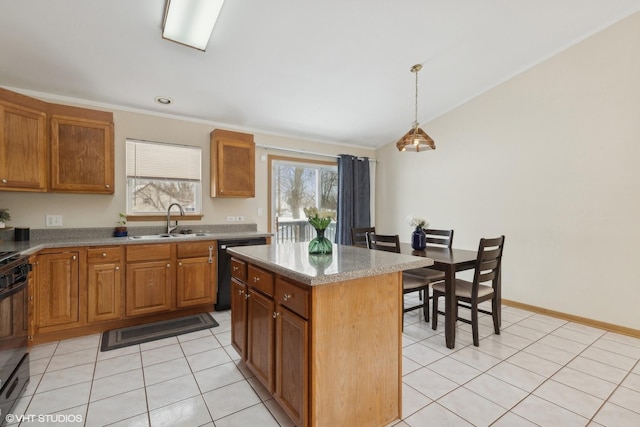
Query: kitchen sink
167, 236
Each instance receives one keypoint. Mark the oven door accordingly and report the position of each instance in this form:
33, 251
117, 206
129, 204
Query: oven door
13, 330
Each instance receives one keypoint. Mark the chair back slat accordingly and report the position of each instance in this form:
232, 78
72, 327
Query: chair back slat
359, 236
488, 263
442, 238
384, 242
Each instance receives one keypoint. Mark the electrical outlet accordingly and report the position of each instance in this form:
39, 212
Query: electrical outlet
240, 218
231, 219
53, 221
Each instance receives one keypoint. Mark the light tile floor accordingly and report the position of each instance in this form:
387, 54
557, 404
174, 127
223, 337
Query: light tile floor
539, 371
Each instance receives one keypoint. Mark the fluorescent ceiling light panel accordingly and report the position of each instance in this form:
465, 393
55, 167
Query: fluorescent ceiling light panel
191, 22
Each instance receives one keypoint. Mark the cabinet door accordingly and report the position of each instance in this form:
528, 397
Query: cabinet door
148, 287
232, 164
260, 338
238, 316
104, 292
292, 362
81, 155
58, 289
23, 149
196, 281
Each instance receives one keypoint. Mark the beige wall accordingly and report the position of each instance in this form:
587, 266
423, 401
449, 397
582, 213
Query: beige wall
82, 210
551, 159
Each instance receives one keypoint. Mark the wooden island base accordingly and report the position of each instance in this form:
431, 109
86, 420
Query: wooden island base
356, 352
325, 340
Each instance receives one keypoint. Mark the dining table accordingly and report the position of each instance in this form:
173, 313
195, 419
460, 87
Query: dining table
450, 261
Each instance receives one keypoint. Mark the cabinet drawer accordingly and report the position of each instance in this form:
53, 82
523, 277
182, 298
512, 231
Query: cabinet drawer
197, 249
239, 269
148, 252
293, 297
260, 279
106, 254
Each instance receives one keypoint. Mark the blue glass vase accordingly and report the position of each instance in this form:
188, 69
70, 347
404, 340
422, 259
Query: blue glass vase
418, 239
320, 244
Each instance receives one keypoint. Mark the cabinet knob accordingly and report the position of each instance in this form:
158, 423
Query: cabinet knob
286, 297
168, 265
4, 180
108, 186
275, 314
180, 264
247, 295
73, 257
104, 254
235, 268
256, 279
117, 268
240, 291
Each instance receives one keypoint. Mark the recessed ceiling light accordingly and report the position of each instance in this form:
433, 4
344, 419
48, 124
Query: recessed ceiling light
164, 100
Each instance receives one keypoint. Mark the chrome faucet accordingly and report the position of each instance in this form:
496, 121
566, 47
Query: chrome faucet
169, 227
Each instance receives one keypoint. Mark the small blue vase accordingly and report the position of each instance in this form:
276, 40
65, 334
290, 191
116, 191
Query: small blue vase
418, 239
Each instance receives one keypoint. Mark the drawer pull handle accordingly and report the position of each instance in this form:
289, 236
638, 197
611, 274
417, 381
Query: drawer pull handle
210, 254
286, 297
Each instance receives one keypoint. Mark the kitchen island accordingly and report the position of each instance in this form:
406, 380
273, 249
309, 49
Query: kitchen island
323, 333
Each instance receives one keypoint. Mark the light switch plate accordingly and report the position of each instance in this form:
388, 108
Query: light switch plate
53, 221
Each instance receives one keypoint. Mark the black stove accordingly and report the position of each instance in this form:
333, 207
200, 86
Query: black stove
14, 302
14, 268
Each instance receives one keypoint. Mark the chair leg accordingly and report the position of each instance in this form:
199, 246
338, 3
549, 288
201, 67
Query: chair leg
420, 295
474, 324
434, 313
494, 314
425, 307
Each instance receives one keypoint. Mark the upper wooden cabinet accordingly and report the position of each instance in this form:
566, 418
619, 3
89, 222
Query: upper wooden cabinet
232, 164
51, 147
23, 143
81, 150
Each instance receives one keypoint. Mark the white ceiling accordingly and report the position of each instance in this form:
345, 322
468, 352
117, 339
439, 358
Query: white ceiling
326, 70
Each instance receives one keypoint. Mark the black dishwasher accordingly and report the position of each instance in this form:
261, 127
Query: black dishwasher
224, 268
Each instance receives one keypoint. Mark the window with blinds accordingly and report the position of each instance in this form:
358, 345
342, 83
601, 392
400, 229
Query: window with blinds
159, 174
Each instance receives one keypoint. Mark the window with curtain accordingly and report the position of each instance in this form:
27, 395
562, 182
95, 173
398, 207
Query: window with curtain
159, 174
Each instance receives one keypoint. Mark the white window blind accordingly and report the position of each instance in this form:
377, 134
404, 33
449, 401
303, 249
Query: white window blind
152, 160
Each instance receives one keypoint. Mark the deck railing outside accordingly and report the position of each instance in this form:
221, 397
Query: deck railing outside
299, 230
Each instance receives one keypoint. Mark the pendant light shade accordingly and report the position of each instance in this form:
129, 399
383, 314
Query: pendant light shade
416, 139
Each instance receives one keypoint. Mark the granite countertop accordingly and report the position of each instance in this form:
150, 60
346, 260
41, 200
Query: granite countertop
101, 237
292, 260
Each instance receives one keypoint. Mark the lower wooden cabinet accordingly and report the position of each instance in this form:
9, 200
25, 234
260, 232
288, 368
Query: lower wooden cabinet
58, 289
239, 316
260, 338
270, 329
88, 289
104, 284
148, 287
292, 367
196, 276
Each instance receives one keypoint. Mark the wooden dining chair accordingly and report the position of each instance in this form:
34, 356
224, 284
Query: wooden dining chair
410, 283
435, 238
482, 288
359, 236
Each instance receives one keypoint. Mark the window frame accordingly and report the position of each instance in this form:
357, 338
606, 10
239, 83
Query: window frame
158, 215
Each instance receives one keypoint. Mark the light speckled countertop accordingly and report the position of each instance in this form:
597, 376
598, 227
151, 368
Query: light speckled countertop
101, 237
292, 260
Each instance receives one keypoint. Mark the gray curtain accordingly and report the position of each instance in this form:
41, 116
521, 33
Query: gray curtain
354, 204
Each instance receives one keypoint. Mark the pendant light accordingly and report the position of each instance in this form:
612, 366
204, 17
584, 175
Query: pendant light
416, 139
